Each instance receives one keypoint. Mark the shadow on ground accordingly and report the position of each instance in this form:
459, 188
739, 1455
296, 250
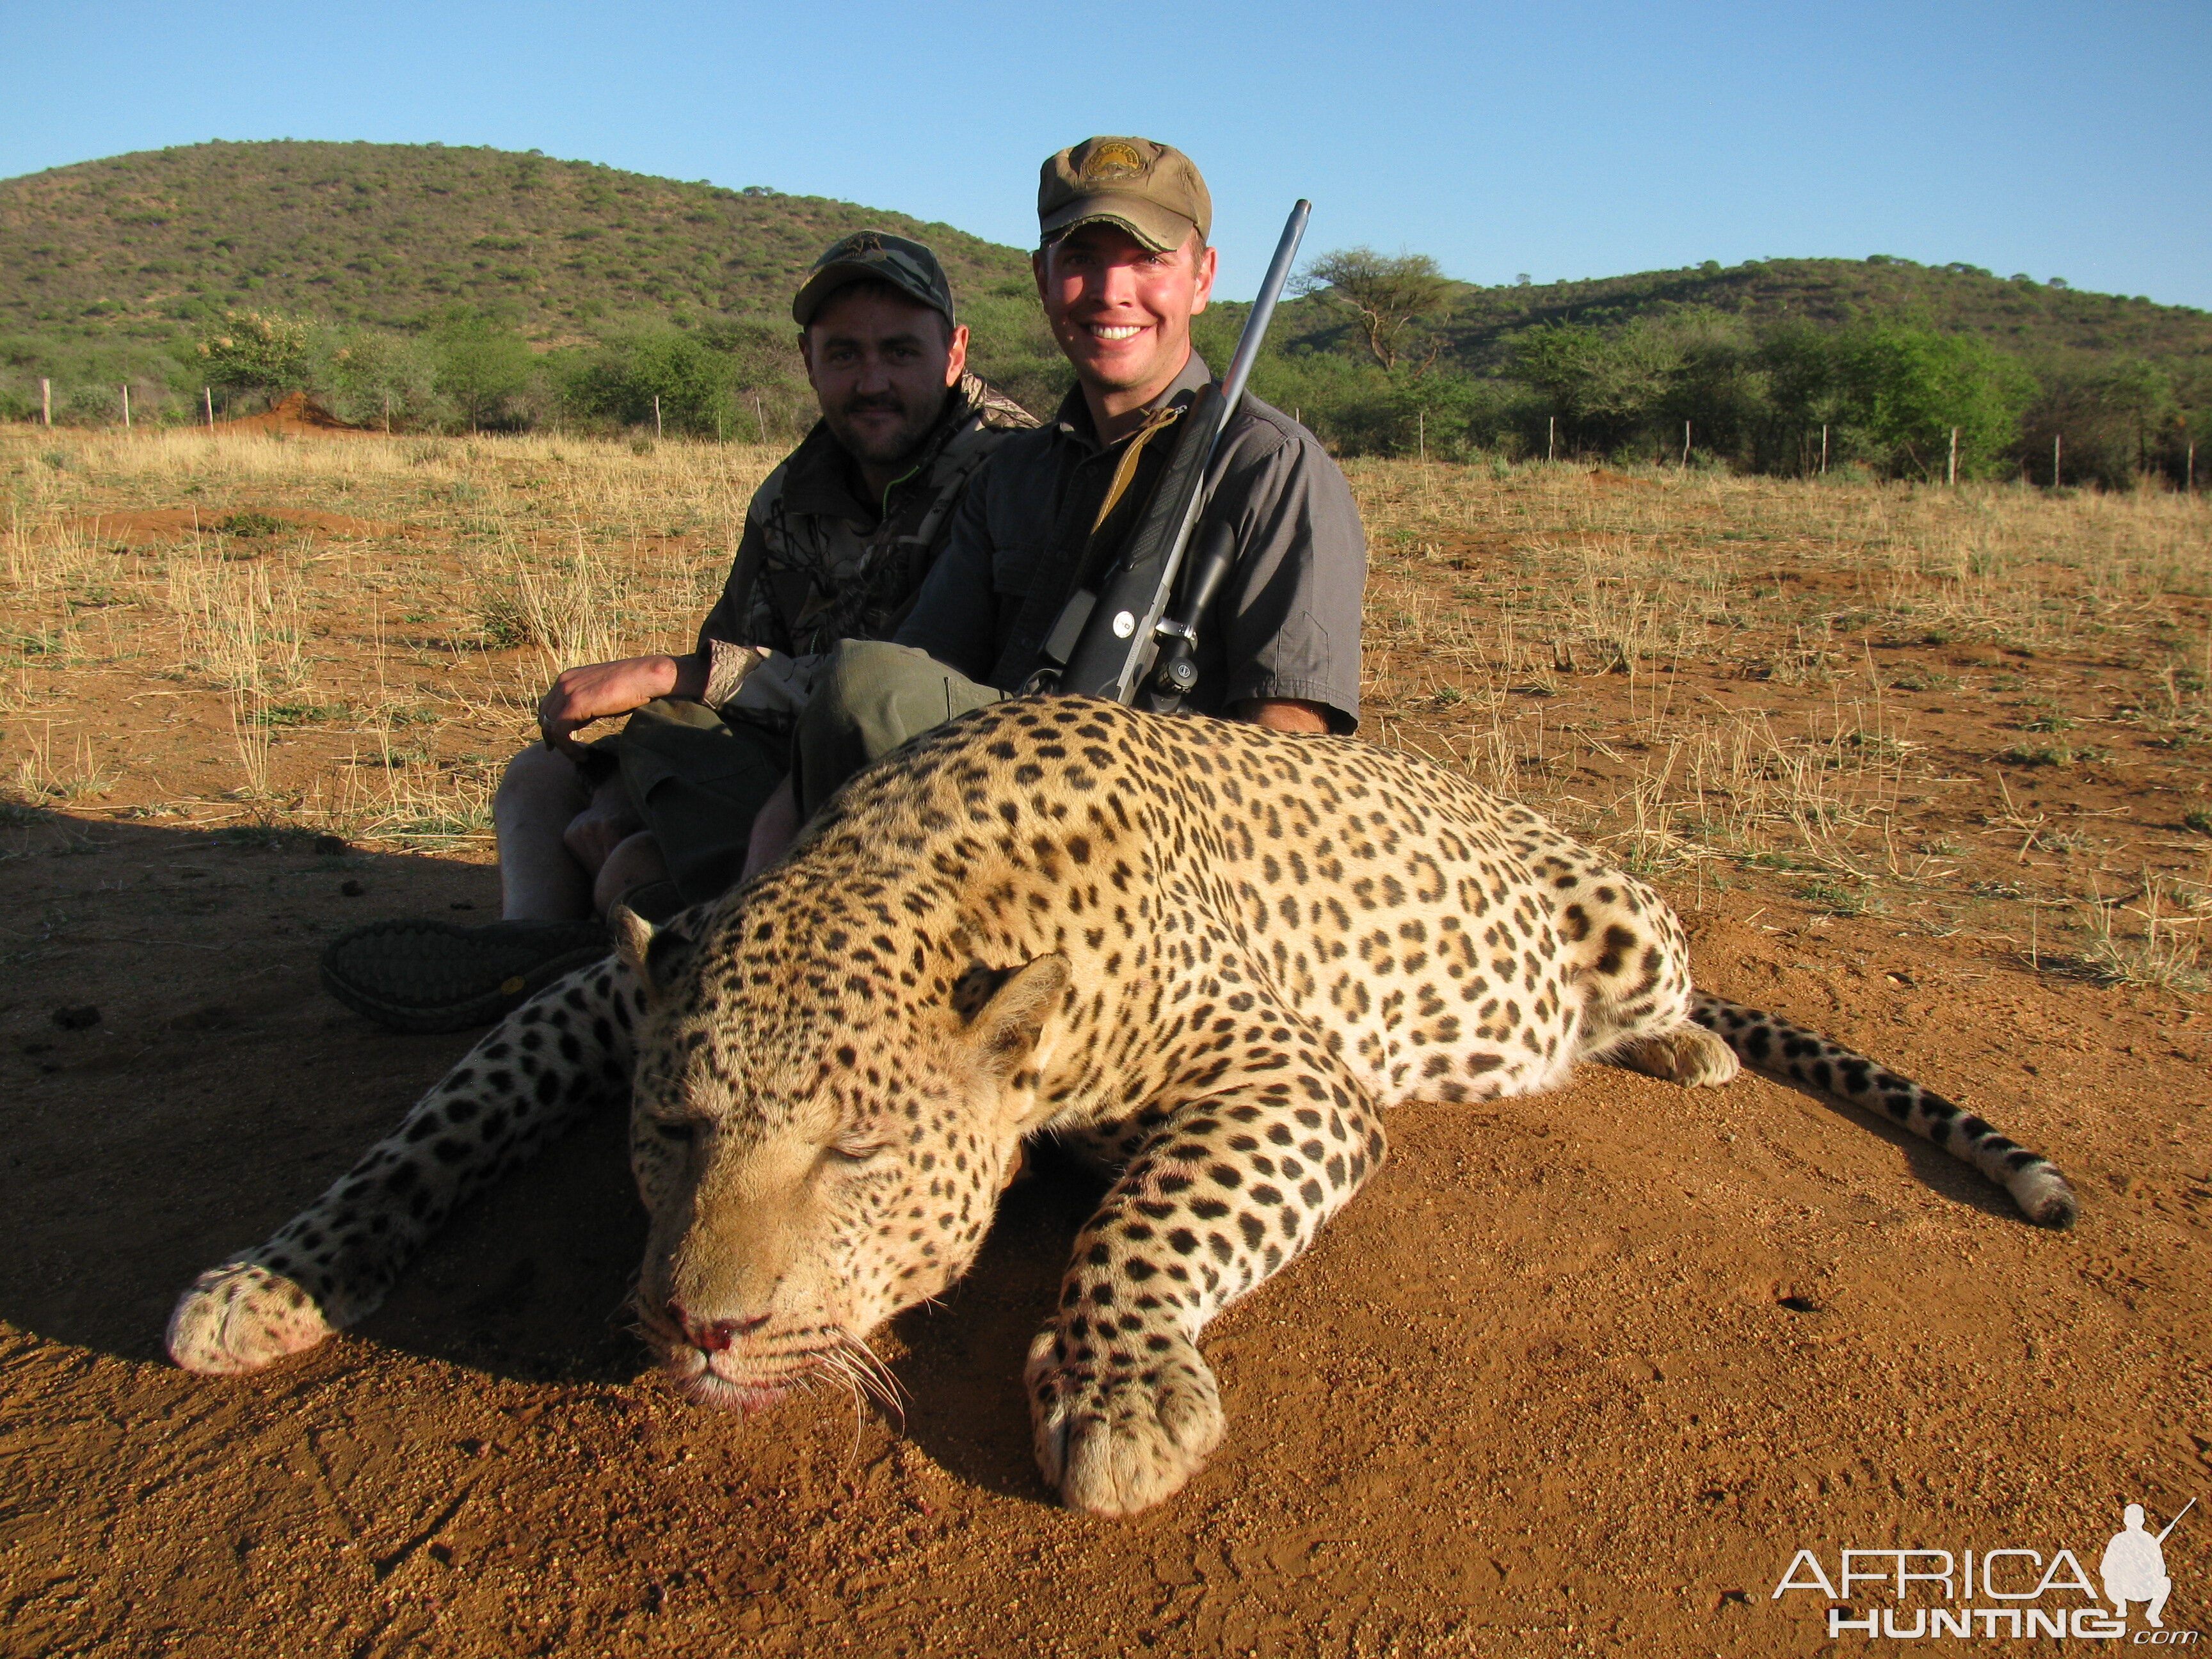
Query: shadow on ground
179, 1084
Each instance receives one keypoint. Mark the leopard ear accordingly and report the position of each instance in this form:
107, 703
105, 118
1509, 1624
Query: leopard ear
656, 955
1005, 1030
633, 936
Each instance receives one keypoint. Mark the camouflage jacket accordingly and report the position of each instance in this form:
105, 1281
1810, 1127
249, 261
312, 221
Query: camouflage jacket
817, 564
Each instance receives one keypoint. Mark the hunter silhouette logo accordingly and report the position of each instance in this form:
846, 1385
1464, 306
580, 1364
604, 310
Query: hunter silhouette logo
2134, 1567
2022, 1592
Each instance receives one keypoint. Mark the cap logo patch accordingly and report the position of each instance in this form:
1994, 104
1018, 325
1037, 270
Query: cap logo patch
1112, 162
866, 242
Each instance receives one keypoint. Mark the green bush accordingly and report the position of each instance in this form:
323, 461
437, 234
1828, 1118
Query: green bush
257, 351
484, 369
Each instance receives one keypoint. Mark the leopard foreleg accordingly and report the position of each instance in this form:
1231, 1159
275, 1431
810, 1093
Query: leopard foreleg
1237, 1181
531, 1077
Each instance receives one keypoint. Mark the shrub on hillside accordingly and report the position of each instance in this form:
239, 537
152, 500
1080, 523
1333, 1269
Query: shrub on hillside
1910, 388
369, 378
257, 351
484, 369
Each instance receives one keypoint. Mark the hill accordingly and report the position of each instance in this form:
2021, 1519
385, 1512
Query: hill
395, 235
2030, 319
428, 270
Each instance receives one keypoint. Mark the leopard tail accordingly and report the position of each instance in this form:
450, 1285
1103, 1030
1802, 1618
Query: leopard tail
1775, 1048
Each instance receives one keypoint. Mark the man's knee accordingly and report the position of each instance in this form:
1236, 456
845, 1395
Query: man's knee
872, 686
637, 862
541, 781
871, 697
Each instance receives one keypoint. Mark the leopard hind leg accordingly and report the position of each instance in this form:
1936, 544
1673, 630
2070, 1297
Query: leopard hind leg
1788, 1053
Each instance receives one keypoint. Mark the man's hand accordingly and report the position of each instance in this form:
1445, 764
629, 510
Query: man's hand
594, 833
775, 826
1282, 715
592, 693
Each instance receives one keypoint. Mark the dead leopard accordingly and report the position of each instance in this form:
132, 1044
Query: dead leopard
1202, 953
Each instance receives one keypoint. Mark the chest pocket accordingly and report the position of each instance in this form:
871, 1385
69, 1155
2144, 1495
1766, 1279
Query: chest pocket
1014, 568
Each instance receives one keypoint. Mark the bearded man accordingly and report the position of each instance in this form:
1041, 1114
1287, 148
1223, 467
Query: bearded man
836, 544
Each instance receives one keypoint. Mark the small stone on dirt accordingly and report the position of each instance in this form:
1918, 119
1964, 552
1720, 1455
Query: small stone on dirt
330, 847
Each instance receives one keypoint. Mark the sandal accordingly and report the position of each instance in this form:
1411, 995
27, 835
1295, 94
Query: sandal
422, 976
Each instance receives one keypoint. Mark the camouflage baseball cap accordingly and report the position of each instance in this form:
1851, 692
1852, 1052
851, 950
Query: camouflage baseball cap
1151, 190
874, 256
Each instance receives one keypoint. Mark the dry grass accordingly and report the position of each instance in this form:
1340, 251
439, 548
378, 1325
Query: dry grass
378, 656
1870, 700
1847, 693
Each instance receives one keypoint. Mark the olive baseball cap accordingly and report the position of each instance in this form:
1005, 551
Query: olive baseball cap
1151, 190
873, 256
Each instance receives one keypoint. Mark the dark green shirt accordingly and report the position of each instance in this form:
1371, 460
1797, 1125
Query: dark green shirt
1287, 624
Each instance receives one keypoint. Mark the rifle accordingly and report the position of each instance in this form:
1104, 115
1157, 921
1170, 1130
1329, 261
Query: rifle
1120, 641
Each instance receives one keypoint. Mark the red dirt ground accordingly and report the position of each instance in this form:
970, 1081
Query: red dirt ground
1579, 1374
1576, 1374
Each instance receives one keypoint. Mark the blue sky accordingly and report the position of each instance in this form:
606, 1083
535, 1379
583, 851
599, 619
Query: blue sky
1563, 141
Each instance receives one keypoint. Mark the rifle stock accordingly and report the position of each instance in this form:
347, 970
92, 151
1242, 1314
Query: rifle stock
1120, 641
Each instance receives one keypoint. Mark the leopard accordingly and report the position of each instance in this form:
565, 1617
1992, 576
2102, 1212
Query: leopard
1202, 956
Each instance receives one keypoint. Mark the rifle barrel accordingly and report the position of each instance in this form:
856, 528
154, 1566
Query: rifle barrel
2176, 1522
1263, 311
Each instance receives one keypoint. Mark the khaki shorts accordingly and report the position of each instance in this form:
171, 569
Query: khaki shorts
870, 698
698, 781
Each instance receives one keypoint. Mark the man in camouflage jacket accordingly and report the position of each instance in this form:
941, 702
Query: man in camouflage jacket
837, 543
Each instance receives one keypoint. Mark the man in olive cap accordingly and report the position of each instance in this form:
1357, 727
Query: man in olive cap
1122, 266
837, 542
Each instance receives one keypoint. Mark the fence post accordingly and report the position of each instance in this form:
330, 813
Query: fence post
126, 405
656, 415
46, 400
1551, 437
761, 414
1421, 434
1685, 443
2189, 487
1953, 477
207, 397
2057, 441
1824, 449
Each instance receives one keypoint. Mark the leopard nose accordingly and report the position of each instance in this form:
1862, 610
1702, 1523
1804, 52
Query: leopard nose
712, 1335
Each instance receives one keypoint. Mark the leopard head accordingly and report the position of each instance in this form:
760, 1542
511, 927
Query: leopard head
821, 1124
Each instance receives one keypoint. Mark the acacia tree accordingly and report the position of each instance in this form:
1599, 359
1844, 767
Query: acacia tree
257, 351
481, 367
1386, 293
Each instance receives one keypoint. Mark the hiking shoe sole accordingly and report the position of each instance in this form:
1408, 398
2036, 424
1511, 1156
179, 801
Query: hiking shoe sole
422, 976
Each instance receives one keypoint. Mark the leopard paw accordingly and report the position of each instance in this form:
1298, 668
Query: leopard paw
241, 1317
1120, 1433
1689, 1054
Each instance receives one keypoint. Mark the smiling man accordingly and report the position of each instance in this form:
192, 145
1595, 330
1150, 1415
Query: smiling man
1122, 266
837, 542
